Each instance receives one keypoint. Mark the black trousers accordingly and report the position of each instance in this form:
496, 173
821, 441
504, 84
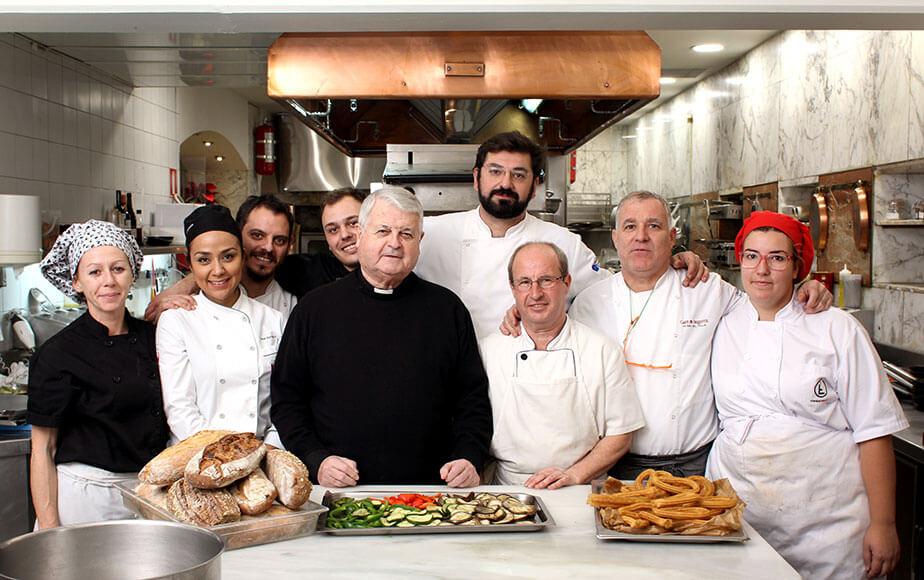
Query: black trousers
683, 464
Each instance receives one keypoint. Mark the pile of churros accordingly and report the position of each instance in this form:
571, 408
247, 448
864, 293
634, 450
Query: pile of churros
660, 503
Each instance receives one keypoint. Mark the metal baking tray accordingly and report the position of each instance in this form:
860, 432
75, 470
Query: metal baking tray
542, 519
604, 533
249, 531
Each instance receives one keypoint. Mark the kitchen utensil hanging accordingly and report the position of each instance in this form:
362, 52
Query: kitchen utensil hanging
859, 204
819, 219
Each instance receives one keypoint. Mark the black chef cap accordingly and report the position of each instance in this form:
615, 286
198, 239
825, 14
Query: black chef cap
210, 218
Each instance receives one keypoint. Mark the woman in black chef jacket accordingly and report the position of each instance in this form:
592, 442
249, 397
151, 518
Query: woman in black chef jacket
95, 401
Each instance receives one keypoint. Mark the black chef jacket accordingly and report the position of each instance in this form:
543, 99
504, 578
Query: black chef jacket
102, 393
301, 273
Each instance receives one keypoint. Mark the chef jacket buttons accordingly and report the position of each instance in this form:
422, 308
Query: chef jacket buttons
218, 347
109, 342
253, 381
253, 348
222, 381
152, 375
221, 416
133, 340
523, 356
252, 415
155, 412
117, 379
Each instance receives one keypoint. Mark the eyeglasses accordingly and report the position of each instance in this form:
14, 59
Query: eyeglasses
544, 282
517, 175
775, 261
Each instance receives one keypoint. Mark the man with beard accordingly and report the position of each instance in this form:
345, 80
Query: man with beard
467, 252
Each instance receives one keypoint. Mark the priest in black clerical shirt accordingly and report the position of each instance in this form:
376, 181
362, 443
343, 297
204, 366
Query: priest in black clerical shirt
378, 378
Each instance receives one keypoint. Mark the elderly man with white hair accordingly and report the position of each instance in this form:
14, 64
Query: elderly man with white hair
378, 378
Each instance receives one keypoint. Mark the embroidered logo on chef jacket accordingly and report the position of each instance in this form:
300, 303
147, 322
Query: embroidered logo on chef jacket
269, 344
694, 323
821, 390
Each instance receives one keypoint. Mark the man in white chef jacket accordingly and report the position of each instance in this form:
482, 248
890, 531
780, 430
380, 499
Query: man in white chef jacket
563, 403
467, 252
665, 330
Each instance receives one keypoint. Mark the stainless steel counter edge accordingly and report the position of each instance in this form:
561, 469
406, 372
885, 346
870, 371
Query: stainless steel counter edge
11, 445
909, 441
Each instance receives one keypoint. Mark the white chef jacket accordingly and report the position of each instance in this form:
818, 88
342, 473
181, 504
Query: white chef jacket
215, 364
459, 253
551, 407
278, 299
676, 329
795, 396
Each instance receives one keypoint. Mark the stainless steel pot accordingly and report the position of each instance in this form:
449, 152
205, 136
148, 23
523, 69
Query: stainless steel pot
116, 550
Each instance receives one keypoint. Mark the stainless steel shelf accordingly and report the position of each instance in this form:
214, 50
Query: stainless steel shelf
159, 250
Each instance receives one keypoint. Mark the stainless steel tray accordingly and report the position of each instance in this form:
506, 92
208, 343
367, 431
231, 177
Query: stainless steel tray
604, 533
542, 519
249, 531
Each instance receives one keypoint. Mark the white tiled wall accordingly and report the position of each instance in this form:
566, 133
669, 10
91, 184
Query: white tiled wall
72, 135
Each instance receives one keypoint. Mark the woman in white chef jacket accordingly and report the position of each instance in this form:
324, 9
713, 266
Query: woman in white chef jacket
806, 413
215, 361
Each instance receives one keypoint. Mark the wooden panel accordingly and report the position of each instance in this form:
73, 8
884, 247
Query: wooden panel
699, 224
534, 64
765, 195
841, 248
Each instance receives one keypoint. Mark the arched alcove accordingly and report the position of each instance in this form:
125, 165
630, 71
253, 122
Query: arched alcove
210, 164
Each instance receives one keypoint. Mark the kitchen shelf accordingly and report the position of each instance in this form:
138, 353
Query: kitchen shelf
160, 250
915, 288
900, 223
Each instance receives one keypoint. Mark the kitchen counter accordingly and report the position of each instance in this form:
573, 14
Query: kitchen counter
568, 549
911, 440
15, 509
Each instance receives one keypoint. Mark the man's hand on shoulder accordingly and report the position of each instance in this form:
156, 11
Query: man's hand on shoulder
551, 478
162, 303
336, 471
460, 473
696, 269
814, 297
510, 325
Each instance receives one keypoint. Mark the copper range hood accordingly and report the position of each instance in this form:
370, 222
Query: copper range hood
361, 91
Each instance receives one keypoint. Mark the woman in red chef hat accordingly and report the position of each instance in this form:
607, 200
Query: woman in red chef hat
806, 414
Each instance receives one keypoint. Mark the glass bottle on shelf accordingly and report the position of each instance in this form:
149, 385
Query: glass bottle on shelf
116, 213
919, 210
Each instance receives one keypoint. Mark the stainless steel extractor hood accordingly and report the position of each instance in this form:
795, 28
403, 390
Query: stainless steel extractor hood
362, 91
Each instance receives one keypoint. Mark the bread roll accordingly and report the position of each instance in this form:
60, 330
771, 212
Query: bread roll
201, 507
254, 494
169, 464
290, 476
225, 461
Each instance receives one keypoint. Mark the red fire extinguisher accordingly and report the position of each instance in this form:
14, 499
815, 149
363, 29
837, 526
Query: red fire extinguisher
264, 149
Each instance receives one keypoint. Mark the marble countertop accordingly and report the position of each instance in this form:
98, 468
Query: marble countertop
568, 549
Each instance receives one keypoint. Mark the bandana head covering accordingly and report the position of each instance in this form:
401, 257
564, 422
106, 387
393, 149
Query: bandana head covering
210, 218
60, 264
795, 230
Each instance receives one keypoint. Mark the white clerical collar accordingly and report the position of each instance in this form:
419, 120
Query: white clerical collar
383, 290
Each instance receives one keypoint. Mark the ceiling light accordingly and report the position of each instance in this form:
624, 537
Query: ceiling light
708, 47
207, 143
668, 81
219, 158
531, 105
630, 136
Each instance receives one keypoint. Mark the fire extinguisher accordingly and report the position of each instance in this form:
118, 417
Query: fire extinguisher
264, 149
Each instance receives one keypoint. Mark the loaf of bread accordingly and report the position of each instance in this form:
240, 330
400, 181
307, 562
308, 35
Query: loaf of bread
290, 476
255, 493
169, 464
225, 461
201, 507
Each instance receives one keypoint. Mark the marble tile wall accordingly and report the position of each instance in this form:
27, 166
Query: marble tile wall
802, 104
898, 252
71, 135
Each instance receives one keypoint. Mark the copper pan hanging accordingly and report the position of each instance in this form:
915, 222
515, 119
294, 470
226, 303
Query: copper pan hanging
860, 209
818, 219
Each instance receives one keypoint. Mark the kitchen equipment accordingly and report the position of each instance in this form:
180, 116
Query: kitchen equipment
818, 219
721, 252
860, 208
725, 211
39, 302
23, 331
158, 241
20, 230
249, 531
13, 410
116, 550
542, 519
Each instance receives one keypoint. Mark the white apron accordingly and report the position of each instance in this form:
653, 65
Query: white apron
527, 430
86, 494
804, 490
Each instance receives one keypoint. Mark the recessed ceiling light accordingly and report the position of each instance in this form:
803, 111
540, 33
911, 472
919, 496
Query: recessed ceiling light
708, 47
219, 158
668, 81
207, 143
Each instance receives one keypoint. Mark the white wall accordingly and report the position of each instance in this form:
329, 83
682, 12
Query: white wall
213, 109
72, 136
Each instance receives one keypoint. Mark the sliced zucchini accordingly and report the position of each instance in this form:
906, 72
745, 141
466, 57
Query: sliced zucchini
404, 524
420, 519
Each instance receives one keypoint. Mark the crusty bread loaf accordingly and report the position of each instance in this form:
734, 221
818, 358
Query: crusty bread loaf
290, 476
225, 461
169, 464
201, 507
255, 493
